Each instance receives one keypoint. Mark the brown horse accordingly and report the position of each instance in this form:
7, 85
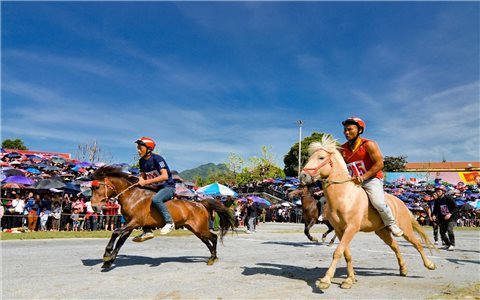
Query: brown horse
311, 208
109, 181
350, 211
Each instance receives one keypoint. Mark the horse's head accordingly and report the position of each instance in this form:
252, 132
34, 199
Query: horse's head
109, 182
320, 164
101, 191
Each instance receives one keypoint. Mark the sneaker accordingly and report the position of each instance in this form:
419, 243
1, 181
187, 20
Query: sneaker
396, 231
451, 248
436, 242
143, 237
167, 228
248, 231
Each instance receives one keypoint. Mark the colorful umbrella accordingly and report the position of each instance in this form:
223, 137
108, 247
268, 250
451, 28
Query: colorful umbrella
13, 172
19, 179
58, 159
12, 185
33, 171
257, 200
50, 183
13, 155
216, 189
84, 164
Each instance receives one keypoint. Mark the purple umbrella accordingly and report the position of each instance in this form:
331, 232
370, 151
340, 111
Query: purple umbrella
19, 179
84, 164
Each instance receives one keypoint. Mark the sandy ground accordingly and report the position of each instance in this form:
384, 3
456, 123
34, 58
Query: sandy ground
276, 262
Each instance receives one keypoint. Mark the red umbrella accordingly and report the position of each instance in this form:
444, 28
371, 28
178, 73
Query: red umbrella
12, 185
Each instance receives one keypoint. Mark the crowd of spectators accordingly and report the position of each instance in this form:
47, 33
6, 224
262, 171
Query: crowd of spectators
53, 194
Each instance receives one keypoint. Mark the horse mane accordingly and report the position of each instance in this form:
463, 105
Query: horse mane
327, 143
113, 171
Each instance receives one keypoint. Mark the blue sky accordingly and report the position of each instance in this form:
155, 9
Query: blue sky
213, 78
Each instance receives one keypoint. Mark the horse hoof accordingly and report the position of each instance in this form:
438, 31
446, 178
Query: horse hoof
210, 262
322, 285
431, 266
315, 240
107, 258
324, 239
403, 271
107, 265
347, 284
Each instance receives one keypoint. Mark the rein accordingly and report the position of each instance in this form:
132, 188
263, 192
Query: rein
109, 185
326, 182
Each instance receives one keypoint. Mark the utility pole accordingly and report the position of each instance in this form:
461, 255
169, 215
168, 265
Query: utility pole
300, 124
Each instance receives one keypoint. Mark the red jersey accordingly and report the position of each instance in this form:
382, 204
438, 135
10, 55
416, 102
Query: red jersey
359, 161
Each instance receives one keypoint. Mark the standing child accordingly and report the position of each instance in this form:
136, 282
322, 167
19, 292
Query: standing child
44, 219
75, 219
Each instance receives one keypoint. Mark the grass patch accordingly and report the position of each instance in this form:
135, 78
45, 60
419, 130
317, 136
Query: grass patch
76, 234
471, 291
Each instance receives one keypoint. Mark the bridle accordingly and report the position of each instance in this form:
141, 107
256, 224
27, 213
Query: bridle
313, 171
325, 182
109, 185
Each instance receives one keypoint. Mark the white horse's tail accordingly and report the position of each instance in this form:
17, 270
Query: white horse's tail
423, 235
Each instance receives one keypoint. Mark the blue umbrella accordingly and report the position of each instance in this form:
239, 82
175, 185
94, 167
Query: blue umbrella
216, 189
13, 155
33, 171
72, 186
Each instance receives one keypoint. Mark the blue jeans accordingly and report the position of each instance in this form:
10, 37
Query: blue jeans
159, 202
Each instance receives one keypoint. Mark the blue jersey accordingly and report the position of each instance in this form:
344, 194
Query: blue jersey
152, 168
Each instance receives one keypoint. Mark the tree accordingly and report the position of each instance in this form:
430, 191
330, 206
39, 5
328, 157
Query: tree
265, 167
291, 158
16, 144
235, 163
394, 163
92, 153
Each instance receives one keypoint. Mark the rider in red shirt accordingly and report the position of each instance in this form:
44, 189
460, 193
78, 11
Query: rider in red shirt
365, 163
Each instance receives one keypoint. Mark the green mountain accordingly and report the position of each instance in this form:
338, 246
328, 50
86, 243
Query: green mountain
203, 171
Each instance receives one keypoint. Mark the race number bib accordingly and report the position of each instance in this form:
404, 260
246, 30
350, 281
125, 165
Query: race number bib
356, 168
444, 210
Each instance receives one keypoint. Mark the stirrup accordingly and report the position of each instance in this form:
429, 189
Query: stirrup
143, 237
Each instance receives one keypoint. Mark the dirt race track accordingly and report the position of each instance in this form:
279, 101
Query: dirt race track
276, 262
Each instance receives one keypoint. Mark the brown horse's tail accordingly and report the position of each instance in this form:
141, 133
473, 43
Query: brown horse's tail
423, 235
227, 220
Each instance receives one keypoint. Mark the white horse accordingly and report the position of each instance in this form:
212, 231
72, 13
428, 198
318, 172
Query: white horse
349, 211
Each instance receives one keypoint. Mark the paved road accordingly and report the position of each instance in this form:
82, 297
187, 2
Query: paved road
275, 262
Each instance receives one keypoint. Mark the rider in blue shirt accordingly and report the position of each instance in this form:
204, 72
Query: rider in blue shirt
155, 173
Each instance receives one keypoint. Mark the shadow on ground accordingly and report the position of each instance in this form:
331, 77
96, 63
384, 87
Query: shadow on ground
311, 275
132, 260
